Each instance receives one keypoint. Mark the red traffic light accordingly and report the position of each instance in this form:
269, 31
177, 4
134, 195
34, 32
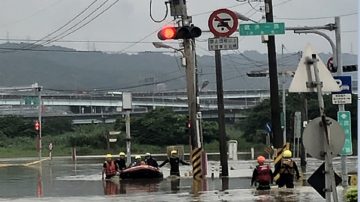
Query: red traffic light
184, 32
37, 125
166, 33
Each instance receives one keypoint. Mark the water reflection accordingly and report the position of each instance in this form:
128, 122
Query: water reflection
130, 186
175, 185
110, 187
61, 178
39, 187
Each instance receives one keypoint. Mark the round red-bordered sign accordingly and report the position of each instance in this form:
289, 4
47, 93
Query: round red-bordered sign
223, 22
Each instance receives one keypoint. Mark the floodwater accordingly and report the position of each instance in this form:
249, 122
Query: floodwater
63, 179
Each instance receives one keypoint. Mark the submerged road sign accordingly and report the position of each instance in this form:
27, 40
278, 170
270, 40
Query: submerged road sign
223, 43
317, 180
304, 75
268, 28
344, 96
313, 137
223, 22
344, 118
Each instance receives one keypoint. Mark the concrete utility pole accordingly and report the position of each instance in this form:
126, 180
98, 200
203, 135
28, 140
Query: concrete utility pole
40, 123
274, 89
178, 8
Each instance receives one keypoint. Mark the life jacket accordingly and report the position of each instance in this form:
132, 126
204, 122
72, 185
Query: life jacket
287, 166
264, 176
110, 168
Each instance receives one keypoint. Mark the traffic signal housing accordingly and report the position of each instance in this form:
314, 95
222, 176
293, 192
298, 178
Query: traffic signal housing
184, 32
349, 68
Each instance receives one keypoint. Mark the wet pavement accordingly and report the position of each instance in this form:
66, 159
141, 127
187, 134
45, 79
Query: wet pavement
61, 179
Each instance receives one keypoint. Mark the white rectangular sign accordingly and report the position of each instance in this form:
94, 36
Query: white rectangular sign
339, 99
127, 100
223, 43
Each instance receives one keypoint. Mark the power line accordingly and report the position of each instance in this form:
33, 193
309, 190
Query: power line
73, 51
84, 41
61, 27
96, 16
67, 23
317, 18
166, 13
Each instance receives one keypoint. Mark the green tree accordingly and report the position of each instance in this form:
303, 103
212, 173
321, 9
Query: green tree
258, 116
56, 125
14, 126
163, 126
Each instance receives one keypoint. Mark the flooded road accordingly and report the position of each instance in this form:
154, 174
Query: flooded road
61, 178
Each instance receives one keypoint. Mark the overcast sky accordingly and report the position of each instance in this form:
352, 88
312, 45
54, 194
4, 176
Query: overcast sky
128, 21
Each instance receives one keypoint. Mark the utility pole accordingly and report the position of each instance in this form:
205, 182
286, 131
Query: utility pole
39, 117
188, 32
339, 65
274, 89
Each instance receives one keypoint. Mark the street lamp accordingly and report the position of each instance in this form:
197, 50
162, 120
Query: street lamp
162, 45
181, 50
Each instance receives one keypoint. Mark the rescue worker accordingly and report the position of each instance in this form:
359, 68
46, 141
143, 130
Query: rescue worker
109, 168
137, 161
286, 170
121, 162
262, 175
174, 161
149, 160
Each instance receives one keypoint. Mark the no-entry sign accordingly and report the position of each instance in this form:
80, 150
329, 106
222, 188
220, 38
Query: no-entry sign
223, 22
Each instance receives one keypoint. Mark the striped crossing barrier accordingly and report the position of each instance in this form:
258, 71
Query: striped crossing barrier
196, 163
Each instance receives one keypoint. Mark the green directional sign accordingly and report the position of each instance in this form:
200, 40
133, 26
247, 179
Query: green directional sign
262, 29
344, 119
31, 100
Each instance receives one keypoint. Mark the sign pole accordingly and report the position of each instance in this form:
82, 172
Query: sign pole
330, 185
221, 119
341, 106
222, 23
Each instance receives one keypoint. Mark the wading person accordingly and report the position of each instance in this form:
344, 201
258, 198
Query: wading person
109, 168
174, 161
121, 162
286, 170
149, 160
262, 175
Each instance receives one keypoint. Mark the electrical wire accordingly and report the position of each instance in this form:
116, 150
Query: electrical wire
61, 27
166, 13
58, 37
31, 15
257, 10
317, 18
207, 12
282, 3
67, 23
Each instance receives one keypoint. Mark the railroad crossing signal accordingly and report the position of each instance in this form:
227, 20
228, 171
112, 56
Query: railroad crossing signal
184, 32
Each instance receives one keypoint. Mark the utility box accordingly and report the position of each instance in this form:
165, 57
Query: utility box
177, 7
232, 145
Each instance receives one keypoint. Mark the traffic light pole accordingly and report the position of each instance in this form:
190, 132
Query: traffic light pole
274, 89
191, 91
40, 124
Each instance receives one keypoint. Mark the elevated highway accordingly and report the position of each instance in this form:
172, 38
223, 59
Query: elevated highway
85, 107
